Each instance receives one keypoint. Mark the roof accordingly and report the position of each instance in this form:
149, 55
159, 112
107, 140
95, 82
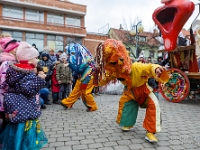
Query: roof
124, 36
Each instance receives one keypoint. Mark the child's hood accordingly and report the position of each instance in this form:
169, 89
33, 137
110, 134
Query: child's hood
4, 56
15, 73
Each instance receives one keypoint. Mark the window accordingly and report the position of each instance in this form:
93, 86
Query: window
73, 21
34, 15
142, 38
75, 39
151, 53
15, 34
12, 12
36, 38
55, 42
55, 19
78, 40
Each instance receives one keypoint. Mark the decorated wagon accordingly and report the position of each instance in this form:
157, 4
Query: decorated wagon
185, 76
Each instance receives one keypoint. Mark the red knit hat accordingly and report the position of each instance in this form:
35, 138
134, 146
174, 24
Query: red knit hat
8, 44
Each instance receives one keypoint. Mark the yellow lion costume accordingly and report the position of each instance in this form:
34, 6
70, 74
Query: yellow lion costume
113, 63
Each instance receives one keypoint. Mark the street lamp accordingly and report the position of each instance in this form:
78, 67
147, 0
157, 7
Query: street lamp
136, 29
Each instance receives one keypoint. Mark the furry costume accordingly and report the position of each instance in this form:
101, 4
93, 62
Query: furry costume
81, 62
113, 63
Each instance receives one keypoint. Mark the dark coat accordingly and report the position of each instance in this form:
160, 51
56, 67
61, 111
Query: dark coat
46, 64
23, 86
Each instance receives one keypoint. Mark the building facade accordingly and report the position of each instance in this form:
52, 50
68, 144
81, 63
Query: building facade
52, 23
92, 40
146, 43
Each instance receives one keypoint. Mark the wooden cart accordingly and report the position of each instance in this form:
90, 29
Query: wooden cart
185, 78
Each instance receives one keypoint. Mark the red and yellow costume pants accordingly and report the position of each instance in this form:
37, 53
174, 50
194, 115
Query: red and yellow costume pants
86, 95
128, 110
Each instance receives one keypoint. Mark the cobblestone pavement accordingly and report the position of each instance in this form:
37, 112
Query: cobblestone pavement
76, 129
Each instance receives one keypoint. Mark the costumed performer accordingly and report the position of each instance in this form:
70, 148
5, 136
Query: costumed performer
81, 62
113, 63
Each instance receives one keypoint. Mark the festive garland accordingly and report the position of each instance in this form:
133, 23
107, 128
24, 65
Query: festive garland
176, 88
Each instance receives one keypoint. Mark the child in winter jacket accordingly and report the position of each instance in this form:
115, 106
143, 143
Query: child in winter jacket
21, 103
64, 77
55, 87
8, 47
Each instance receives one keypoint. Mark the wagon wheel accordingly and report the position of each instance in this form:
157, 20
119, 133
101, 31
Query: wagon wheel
177, 88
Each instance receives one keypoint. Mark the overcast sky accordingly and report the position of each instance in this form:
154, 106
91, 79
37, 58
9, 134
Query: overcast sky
116, 12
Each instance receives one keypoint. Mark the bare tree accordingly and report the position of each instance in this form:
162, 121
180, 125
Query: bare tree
146, 38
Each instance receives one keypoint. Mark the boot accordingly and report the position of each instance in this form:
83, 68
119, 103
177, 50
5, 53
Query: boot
151, 137
126, 129
60, 103
55, 102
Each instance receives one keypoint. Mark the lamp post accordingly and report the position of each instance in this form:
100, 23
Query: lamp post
136, 29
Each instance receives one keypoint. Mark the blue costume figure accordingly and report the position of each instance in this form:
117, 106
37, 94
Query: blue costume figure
82, 64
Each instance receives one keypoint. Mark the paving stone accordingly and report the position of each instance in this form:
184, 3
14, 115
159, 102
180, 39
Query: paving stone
96, 145
147, 149
109, 144
121, 148
80, 147
76, 129
148, 145
137, 141
114, 138
136, 146
177, 147
106, 148
72, 143
64, 148
48, 148
101, 140
91, 137
163, 148
88, 141
104, 135
55, 144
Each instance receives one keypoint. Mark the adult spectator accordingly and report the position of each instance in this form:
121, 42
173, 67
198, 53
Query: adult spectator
159, 60
58, 54
47, 66
149, 60
141, 59
34, 45
52, 55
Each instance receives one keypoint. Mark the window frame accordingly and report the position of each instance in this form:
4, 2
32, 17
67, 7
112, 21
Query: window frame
53, 22
39, 16
73, 19
10, 8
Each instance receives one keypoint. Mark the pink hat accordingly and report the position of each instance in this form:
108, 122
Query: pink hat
8, 44
26, 52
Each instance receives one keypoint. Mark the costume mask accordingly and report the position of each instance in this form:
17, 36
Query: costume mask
113, 60
79, 57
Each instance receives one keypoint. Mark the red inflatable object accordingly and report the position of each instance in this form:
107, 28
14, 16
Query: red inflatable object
171, 18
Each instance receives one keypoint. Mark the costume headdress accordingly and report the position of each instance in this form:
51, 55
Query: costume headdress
79, 57
112, 61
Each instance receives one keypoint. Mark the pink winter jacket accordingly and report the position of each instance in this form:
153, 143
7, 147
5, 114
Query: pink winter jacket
5, 59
